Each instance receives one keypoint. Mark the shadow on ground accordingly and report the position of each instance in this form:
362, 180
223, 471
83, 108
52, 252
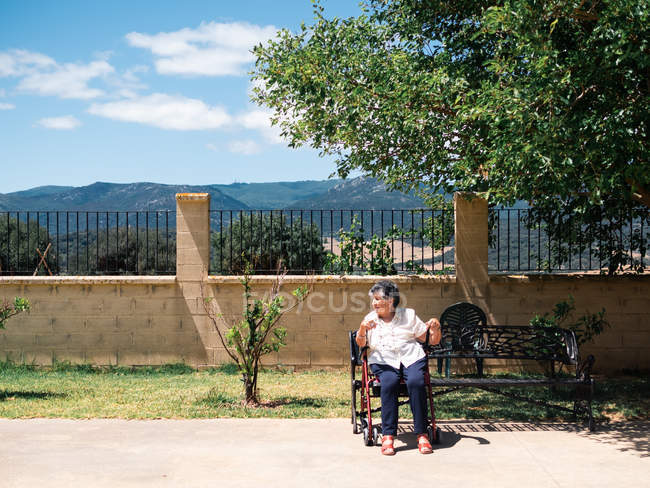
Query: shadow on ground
301, 402
29, 395
449, 437
631, 436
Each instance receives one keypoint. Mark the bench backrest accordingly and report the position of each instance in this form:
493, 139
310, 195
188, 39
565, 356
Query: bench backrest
511, 342
458, 325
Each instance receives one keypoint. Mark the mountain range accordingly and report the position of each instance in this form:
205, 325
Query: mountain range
355, 193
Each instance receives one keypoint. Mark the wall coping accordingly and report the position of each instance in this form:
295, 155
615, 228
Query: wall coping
334, 279
321, 279
568, 277
87, 280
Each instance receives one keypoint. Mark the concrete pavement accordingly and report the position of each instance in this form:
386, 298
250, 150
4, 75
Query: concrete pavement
315, 453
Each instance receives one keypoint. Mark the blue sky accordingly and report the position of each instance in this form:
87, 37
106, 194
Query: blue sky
126, 91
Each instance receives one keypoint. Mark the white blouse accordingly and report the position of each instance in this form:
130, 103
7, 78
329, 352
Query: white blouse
395, 342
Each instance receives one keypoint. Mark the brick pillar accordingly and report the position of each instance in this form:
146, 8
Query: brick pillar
192, 264
471, 232
192, 236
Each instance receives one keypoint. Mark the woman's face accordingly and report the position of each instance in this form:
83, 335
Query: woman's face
383, 306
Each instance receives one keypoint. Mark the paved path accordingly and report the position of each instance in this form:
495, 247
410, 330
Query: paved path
315, 453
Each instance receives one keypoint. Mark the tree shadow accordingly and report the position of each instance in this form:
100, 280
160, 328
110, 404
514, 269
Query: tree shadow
630, 436
301, 402
217, 398
29, 395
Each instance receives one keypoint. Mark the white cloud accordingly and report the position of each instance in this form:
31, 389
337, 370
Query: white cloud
128, 83
67, 81
212, 49
260, 120
164, 111
66, 122
7, 106
3, 93
246, 147
42, 75
18, 62
211, 147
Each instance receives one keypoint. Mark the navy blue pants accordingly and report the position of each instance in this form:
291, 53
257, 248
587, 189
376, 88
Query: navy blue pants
389, 378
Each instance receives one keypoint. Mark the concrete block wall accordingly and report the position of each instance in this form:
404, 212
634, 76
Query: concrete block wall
626, 300
102, 321
317, 332
156, 320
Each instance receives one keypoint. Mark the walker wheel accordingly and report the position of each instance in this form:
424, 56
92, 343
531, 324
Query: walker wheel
367, 439
375, 435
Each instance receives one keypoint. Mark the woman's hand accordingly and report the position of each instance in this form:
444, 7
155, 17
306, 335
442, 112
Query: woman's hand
365, 326
435, 334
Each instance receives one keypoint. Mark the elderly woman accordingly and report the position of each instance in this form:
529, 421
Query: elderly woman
393, 335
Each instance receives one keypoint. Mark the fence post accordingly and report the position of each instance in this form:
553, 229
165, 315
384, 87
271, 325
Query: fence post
471, 233
192, 236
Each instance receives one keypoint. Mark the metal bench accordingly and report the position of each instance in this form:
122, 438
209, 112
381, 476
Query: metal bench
527, 343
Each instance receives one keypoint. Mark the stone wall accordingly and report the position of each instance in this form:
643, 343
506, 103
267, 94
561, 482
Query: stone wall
155, 320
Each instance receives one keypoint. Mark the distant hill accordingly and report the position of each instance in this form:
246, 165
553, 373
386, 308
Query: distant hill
40, 191
357, 193
276, 195
360, 193
112, 197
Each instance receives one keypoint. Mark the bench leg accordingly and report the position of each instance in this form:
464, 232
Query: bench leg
447, 363
586, 391
592, 423
584, 395
479, 367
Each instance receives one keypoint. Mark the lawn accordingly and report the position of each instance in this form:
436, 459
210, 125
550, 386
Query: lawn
177, 391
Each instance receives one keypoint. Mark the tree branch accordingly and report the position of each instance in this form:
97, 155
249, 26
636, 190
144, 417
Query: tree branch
208, 310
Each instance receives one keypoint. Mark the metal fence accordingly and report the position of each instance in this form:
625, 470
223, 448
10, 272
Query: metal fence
333, 241
523, 241
317, 241
88, 243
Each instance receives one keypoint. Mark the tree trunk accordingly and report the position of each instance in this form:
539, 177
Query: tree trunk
250, 393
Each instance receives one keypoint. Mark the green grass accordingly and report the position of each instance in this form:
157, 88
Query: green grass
178, 391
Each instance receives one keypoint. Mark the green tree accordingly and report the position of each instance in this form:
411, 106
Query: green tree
19, 242
132, 252
267, 244
545, 102
257, 333
358, 255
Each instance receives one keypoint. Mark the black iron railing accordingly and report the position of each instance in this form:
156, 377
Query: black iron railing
333, 241
522, 240
88, 243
